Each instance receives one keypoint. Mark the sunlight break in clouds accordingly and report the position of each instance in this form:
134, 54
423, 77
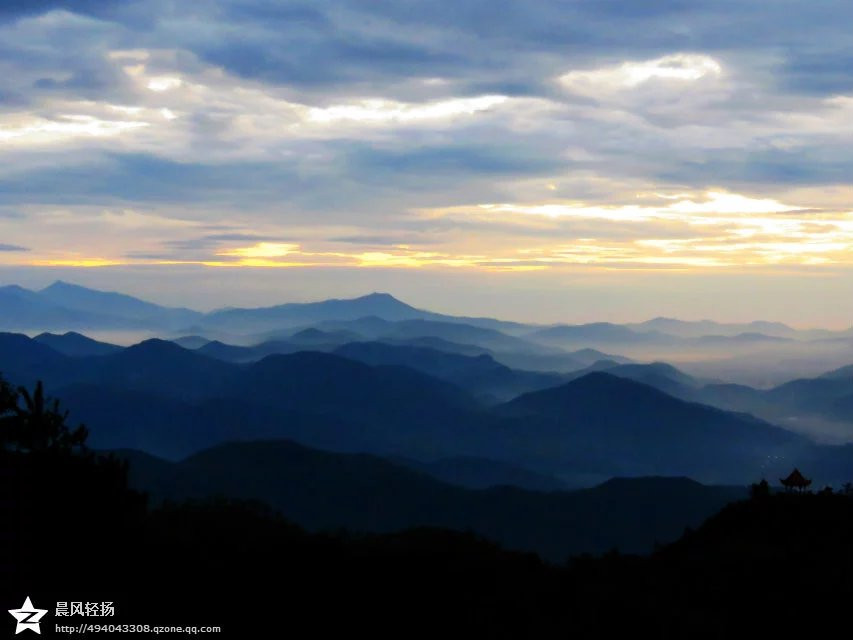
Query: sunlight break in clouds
26, 129
713, 203
718, 202
164, 83
262, 250
714, 229
679, 67
379, 110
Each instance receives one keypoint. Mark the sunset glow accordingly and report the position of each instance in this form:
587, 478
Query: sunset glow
422, 149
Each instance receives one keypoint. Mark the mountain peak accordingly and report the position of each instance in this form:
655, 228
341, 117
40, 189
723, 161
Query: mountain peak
14, 288
381, 296
155, 346
59, 285
376, 295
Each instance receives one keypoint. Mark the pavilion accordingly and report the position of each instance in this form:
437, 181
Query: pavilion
796, 481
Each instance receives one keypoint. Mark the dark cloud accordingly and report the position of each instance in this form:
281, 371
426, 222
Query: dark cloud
137, 14
453, 161
234, 150
330, 61
12, 247
382, 42
743, 170
820, 73
215, 240
15, 8
380, 240
146, 178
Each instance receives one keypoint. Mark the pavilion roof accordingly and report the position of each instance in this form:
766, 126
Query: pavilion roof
796, 479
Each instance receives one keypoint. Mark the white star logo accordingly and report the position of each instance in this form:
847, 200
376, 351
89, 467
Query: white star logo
28, 617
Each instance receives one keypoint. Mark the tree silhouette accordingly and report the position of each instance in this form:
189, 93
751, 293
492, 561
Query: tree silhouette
8, 414
759, 490
31, 422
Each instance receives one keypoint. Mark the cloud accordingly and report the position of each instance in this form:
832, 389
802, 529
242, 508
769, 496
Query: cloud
677, 68
368, 133
12, 247
373, 240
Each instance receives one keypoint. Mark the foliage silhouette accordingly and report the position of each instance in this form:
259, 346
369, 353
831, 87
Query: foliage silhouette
760, 490
81, 534
41, 425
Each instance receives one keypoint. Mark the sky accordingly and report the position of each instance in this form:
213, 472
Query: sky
541, 161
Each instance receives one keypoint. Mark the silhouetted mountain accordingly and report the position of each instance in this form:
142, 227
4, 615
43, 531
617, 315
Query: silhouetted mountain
158, 366
754, 554
634, 429
174, 401
24, 309
439, 344
376, 328
173, 428
400, 409
191, 342
844, 373
228, 352
378, 305
157, 383
65, 306
641, 338
329, 340
811, 405
152, 366
697, 329
23, 360
481, 375
598, 334
810, 394
591, 356
381, 305
76, 345
325, 491
482, 473
842, 408
515, 355
725, 579
738, 339
313, 337
117, 305
660, 375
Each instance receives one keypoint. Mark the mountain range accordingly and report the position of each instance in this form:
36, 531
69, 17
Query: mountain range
374, 416
328, 491
65, 306
389, 400
374, 374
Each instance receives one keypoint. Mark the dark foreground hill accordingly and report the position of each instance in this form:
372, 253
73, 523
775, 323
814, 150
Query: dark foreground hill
326, 491
772, 567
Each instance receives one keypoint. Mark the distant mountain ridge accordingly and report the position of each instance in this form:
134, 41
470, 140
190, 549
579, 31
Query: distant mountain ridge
379, 305
699, 328
170, 401
65, 306
327, 491
76, 345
